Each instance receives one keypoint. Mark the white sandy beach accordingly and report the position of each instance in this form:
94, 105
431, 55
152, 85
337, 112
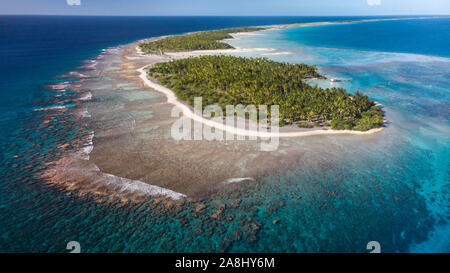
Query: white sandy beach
188, 112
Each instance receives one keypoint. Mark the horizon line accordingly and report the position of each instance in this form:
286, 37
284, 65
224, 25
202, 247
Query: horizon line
124, 15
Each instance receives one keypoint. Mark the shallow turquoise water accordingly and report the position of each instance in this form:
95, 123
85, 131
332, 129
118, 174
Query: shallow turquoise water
410, 158
418, 36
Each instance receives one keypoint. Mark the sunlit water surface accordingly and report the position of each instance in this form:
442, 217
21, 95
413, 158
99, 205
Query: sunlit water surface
344, 191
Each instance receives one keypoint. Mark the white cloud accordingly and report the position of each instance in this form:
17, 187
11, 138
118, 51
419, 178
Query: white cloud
78, 2
374, 2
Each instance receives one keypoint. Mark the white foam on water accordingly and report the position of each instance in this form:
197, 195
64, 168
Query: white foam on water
87, 96
86, 151
50, 108
138, 187
92, 65
238, 180
276, 53
120, 184
85, 113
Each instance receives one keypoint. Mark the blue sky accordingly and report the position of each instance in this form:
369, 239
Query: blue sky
226, 7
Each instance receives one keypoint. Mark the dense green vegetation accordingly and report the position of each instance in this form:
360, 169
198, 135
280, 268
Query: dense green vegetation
228, 80
208, 40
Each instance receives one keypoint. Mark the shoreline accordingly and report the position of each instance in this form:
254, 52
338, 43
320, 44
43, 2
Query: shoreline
188, 112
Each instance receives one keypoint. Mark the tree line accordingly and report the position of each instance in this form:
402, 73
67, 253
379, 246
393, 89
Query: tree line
208, 40
229, 80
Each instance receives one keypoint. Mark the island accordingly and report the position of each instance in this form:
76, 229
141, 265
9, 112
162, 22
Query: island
205, 40
228, 80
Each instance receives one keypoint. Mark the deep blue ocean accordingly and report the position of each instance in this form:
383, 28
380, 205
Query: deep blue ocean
379, 58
